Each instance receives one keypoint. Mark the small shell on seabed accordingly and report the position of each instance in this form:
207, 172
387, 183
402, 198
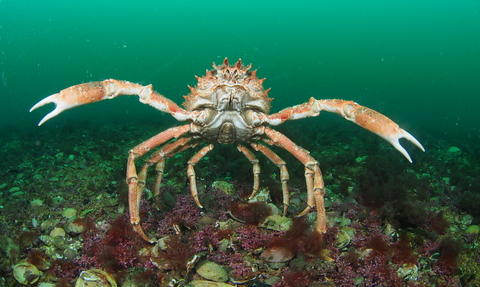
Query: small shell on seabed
262, 195
277, 254
211, 271
58, 232
277, 222
205, 283
343, 239
26, 273
389, 230
408, 272
95, 278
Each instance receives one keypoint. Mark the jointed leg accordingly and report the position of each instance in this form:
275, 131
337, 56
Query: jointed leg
256, 168
87, 93
309, 177
284, 177
191, 171
160, 167
312, 174
362, 116
159, 158
134, 194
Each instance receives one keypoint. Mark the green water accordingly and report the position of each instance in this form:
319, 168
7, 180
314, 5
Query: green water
418, 62
415, 61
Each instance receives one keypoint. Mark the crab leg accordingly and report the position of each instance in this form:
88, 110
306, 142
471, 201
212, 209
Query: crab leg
362, 116
159, 158
256, 168
191, 171
97, 91
313, 175
284, 177
135, 193
159, 168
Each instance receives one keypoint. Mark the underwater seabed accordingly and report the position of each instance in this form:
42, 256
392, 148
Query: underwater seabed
64, 217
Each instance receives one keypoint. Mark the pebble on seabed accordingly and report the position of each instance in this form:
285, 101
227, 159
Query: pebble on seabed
69, 212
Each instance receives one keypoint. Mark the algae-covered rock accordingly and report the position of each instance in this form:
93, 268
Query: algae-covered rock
49, 224
17, 194
69, 212
169, 200
14, 189
224, 186
9, 247
36, 203
473, 229
76, 227
453, 149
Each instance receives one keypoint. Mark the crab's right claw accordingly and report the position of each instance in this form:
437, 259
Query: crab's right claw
75, 96
92, 92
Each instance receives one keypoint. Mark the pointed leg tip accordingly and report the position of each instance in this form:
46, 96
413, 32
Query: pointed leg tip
305, 211
139, 230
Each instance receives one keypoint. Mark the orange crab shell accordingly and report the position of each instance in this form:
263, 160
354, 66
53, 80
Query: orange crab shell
236, 76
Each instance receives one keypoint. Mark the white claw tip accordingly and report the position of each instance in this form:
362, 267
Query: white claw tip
394, 140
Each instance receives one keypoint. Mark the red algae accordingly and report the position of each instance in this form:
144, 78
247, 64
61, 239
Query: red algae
251, 213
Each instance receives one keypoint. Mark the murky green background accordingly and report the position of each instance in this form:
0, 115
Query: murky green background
416, 61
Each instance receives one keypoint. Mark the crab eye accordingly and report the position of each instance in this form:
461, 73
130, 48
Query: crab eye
254, 109
205, 116
250, 116
204, 107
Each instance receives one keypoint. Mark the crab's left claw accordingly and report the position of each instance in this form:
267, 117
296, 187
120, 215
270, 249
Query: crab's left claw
362, 116
378, 124
393, 139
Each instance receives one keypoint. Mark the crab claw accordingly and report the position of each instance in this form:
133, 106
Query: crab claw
76, 96
60, 106
92, 92
380, 125
394, 138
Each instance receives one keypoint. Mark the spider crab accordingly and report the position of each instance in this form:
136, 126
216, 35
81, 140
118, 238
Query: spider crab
229, 106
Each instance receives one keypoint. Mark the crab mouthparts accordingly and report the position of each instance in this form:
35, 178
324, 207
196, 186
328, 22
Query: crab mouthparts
227, 133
